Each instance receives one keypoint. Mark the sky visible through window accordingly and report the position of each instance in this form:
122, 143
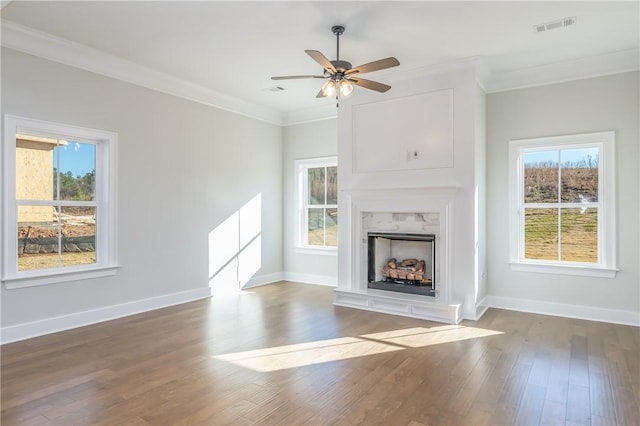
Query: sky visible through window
78, 158
573, 156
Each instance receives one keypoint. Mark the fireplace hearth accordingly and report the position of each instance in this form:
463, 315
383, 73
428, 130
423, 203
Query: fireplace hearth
401, 262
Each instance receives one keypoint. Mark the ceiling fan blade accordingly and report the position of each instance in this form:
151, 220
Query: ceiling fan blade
321, 94
374, 66
293, 77
322, 60
368, 84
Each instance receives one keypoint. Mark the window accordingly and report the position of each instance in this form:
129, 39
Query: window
59, 198
317, 182
563, 204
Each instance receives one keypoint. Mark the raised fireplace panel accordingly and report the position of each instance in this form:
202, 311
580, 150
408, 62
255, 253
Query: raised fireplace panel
420, 136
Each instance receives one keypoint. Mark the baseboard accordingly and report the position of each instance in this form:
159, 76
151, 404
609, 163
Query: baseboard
327, 280
480, 309
614, 316
259, 280
53, 325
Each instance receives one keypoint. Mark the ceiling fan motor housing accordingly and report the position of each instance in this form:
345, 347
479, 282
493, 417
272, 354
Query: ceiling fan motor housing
341, 66
337, 30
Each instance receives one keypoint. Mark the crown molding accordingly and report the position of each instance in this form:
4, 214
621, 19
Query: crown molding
309, 115
576, 69
37, 43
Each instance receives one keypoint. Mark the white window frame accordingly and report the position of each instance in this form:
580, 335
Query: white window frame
105, 202
302, 186
606, 265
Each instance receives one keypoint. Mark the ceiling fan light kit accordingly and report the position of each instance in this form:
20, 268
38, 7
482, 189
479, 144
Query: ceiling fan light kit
340, 75
344, 89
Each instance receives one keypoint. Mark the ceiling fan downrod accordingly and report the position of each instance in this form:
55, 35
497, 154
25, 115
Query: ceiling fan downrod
337, 30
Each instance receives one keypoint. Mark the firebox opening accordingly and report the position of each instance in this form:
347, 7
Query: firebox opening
401, 262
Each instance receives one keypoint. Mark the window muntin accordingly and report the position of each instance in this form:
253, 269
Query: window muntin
59, 193
563, 201
318, 206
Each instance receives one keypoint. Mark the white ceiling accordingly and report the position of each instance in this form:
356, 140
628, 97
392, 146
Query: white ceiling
233, 47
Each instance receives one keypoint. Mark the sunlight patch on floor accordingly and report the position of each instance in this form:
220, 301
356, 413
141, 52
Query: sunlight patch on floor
311, 353
420, 336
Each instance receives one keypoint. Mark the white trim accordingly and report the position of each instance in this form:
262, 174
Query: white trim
260, 280
65, 322
589, 313
309, 115
37, 278
581, 271
320, 251
44, 45
326, 280
481, 308
576, 69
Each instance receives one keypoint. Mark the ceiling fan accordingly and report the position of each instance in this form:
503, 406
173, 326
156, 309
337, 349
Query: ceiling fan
340, 75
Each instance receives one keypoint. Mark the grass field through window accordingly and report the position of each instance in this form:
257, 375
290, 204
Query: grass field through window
578, 234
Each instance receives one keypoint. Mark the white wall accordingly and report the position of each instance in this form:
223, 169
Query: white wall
591, 105
183, 168
310, 140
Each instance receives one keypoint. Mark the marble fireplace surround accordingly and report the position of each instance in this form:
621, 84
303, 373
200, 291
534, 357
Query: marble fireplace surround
415, 210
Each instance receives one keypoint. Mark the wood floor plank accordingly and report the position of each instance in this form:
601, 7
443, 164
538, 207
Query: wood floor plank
578, 405
230, 361
553, 413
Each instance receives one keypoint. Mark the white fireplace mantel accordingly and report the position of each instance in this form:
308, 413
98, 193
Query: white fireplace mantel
353, 291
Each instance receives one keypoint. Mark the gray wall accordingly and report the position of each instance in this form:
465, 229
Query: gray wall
183, 168
311, 140
591, 105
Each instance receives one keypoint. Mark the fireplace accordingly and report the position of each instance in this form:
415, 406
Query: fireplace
413, 163
411, 223
401, 262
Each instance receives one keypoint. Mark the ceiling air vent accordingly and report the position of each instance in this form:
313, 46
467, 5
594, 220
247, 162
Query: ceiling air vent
274, 89
560, 23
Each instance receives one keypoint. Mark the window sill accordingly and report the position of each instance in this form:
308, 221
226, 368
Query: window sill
323, 251
37, 279
576, 270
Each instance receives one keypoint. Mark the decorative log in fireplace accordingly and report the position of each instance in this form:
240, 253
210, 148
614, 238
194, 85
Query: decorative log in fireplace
409, 271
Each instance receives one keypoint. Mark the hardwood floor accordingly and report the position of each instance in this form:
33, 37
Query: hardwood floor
283, 355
